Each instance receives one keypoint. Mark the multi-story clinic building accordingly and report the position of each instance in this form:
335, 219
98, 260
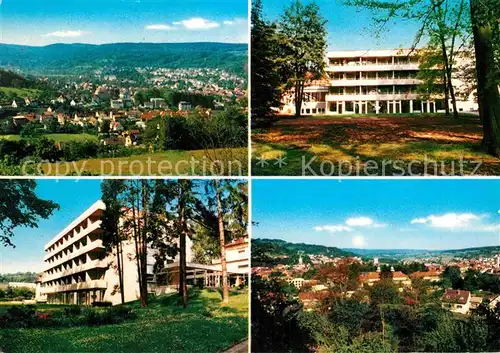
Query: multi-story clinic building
78, 270
369, 82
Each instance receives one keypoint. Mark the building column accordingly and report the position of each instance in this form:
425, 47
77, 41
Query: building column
411, 106
377, 107
428, 106
421, 106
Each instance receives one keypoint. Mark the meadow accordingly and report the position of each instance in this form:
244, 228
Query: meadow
205, 326
57, 137
229, 161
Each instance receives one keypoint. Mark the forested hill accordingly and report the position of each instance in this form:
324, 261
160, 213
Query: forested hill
29, 277
268, 252
81, 57
12, 79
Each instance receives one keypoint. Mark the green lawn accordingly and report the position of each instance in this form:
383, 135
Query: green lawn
57, 137
205, 326
21, 92
372, 145
171, 163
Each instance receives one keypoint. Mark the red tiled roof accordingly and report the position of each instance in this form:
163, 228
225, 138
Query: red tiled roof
369, 276
420, 274
456, 296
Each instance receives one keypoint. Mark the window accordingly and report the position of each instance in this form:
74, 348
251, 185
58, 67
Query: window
308, 111
242, 266
314, 111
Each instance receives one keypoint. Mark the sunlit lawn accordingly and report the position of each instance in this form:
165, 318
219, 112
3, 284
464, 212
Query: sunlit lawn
205, 326
56, 137
229, 162
379, 145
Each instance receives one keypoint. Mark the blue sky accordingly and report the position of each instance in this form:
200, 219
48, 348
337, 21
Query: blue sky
73, 197
379, 214
350, 28
42, 22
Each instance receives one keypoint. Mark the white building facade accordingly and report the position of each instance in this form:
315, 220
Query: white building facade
78, 270
369, 82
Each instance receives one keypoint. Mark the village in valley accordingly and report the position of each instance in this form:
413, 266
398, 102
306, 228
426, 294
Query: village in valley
117, 107
322, 276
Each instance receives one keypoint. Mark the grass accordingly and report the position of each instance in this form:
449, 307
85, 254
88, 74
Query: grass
56, 137
171, 163
204, 326
373, 145
21, 92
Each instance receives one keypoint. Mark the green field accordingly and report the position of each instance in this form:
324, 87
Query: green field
206, 326
171, 163
56, 137
21, 92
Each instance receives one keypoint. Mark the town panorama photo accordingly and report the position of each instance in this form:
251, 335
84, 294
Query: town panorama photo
123, 87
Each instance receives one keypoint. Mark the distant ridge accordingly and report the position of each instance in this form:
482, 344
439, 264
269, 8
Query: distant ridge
466, 252
268, 252
80, 57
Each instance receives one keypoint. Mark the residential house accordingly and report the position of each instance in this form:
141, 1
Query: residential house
457, 301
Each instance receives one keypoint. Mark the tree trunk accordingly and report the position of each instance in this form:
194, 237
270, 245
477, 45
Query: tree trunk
222, 242
452, 93
120, 269
182, 256
487, 91
143, 243
136, 232
299, 93
446, 95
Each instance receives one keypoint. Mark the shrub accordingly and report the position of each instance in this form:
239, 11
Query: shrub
101, 304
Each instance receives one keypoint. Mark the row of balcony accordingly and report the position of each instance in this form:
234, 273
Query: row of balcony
91, 246
93, 284
371, 97
75, 269
76, 237
372, 67
374, 82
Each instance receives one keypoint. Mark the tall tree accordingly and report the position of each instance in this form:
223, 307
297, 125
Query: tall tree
265, 77
21, 207
484, 15
112, 190
303, 45
443, 21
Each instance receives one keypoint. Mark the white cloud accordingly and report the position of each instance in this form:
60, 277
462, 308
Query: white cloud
333, 228
66, 34
161, 27
229, 23
349, 224
448, 220
358, 241
197, 23
363, 222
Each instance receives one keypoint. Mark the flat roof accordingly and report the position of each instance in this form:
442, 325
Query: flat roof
98, 205
368, 53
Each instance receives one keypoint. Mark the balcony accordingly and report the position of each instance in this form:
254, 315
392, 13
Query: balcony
76, 269
370, 97
95, 245
372, 67
78, 236
94, 284
375, 82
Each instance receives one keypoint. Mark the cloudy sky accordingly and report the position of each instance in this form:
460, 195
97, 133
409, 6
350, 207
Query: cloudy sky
42, 22
379, 214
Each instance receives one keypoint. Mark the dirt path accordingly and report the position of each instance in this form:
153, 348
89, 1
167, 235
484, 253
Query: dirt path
239, 348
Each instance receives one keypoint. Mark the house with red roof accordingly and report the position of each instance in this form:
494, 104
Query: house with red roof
457, 301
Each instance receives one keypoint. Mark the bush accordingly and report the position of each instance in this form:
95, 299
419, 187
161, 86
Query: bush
101, 304
78, 150
19, 316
